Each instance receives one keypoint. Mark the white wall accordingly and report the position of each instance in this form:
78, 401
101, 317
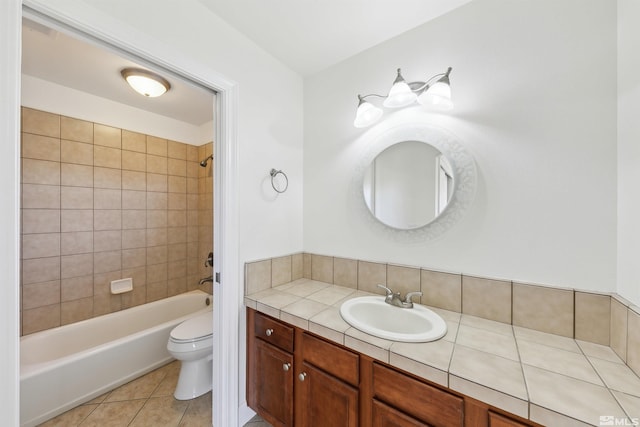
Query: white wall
47, 96
534, 84
628, 150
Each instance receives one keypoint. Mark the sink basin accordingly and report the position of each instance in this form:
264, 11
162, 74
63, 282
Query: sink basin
372, 315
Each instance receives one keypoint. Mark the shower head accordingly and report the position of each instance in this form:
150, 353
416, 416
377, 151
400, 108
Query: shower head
205, 161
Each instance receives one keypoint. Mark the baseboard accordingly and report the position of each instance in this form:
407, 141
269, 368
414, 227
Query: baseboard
245, 414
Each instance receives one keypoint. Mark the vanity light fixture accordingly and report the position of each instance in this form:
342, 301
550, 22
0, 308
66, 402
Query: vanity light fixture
145, 82
435, 91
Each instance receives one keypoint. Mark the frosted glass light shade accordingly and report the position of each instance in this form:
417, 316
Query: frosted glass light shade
367, 114
438, 95
400, 95
145, 82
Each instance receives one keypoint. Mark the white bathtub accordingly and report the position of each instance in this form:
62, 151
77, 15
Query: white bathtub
63, 367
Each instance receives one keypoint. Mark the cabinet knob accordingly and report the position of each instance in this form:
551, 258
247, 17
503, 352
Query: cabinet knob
302, 376
269, 332
286, 366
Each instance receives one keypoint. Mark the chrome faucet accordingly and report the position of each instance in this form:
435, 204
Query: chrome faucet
393, 298
205, 280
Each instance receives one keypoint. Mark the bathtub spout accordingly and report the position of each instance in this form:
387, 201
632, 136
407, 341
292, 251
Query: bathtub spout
205, 280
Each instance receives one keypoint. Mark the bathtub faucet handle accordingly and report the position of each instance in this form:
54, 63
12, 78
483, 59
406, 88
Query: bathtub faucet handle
209, 261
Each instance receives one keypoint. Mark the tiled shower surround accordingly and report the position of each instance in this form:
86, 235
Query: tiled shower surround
594, 317
101, 203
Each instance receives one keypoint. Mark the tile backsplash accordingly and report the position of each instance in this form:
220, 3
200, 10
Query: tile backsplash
101, 203
586, 316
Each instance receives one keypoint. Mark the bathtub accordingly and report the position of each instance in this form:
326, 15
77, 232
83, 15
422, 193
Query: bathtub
63, 367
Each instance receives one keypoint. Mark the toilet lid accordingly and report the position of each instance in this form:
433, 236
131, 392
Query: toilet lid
197, 327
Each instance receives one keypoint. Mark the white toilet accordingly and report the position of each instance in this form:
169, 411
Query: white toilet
191, 342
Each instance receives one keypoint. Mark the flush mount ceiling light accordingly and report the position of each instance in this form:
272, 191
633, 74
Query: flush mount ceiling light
145, 82
435, 91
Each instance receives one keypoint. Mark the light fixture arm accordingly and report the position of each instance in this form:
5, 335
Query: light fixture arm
419, 87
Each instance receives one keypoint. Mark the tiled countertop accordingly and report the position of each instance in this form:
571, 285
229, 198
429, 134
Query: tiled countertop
552, 380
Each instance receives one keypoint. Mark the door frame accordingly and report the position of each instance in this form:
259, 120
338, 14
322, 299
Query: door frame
92, 24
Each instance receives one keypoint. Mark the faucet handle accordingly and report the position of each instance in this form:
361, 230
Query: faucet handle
388, 291
407, 298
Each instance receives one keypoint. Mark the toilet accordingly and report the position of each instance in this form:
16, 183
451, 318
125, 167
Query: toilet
191, 342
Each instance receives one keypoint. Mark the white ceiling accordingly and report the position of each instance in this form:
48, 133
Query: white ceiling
311, 35
56, 57
306, 35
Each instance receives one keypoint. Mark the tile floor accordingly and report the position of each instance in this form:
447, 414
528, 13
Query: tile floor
144, 402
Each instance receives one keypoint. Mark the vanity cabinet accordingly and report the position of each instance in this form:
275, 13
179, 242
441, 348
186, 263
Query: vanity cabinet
295, 378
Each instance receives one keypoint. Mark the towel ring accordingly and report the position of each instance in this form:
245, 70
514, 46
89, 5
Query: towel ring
275, 173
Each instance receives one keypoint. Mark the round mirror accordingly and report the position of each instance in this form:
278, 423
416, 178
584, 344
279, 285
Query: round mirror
408, 185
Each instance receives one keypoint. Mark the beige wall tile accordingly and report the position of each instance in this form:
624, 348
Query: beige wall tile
404, 280
192, 185
40, 294
156, 164
156, 255
486, 298
134, 219
134, 180
322, 268
157, 201
75, 288
345, 272
592, 317
177, 167
177, 251
280, 270
370, 275
618, 328
76, 152
633, 341
110, 178
40, 221
156, 291
193, 168
157, 146
41, 318
543, 309
105, 304
157, 272
40, 245
177, 184
107, 136
77, 242
443, 290
138, 275
76, 197
40, 172
40, 270
102, 282
134, 141
76, 220
176, 269
192, 153
176, 235
76, 175
104, 262
40, 147
76, 265
156, 237
177, 201
297, 269
176, 150
136, 297
176, 286
132, 199
134, 258
134, 238
40, 122
107, 240
177, 218
156, 219
192, 234
134, 161
76, 310
157, 182
257, 276
107, 157
76, 130
107, 219
39, 196
104, 198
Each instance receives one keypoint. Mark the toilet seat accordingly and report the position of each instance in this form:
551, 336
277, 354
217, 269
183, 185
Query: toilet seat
196, 329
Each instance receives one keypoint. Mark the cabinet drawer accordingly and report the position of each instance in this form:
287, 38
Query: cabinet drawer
385, 416
274, 332
332, 359
422, 401
497, 420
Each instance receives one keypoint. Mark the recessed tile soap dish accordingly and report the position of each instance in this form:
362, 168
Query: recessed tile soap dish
121, 286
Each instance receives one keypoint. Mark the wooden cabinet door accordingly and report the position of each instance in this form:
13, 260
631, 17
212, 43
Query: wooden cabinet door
386, 416
497, 420
326, 401
274, 384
